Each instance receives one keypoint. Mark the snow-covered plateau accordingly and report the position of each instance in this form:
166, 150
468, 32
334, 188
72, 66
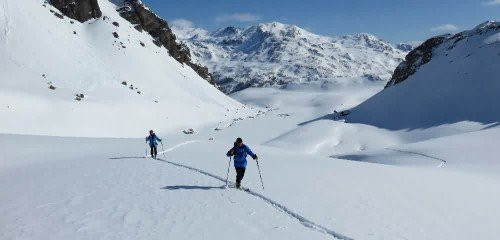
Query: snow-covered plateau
417, 159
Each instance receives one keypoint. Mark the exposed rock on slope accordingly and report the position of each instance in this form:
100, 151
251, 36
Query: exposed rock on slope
417, 57
446, 80
423, 53
144, 19
278, 54
93, 84
81, 10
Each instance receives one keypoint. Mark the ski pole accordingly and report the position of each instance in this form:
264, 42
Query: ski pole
163, 150
258, 167
228, 166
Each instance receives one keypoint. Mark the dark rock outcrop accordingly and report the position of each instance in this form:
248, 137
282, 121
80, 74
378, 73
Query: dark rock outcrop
423, 53
144, 19
81, 10
416, 58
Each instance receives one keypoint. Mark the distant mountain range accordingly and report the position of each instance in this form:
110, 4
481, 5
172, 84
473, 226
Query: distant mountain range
276, 54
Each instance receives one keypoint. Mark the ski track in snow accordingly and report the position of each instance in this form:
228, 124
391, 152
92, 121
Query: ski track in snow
175, 147
280, 207
441, 164
4, 22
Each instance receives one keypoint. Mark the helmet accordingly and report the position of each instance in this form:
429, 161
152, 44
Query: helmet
239, 140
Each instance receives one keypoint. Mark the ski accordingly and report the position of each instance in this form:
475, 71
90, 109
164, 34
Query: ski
240, 188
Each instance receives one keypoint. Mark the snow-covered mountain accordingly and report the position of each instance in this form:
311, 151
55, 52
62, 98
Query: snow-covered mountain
101, 77
447, 79
408, 46
121, 73
276, 54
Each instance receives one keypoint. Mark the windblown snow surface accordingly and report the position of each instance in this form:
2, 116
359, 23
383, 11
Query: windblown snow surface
323, 178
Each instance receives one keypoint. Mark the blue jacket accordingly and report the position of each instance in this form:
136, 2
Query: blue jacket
152, 140
240, 155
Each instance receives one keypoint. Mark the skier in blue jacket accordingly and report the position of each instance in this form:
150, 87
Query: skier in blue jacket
240, 151
152, 138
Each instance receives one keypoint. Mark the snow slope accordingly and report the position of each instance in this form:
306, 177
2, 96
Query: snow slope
276, 54
39, 50
460, 83
324, 178
88, 188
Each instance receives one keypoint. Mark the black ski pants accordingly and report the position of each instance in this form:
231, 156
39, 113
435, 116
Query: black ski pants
154, 151
240, 172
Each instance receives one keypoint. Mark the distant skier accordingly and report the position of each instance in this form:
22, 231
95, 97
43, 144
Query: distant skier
152, 138
240, 151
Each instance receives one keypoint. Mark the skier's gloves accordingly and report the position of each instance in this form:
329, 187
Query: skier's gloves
255, 157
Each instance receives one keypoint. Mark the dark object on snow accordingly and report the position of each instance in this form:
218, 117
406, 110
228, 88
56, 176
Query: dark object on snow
142, 44
337, 115
115, 35
124, 83
188, 131
116, 24
59, 15
345, 113
79, 97
52, 87
81, 10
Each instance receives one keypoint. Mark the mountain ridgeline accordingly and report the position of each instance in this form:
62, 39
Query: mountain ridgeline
448, 79
424, 53
142, 18
273, 54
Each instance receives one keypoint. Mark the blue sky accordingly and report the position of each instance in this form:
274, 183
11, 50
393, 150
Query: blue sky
395, 21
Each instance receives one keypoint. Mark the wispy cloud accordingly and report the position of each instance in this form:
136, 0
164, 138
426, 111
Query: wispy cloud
445, 28
492, 3
181, 23
238, 17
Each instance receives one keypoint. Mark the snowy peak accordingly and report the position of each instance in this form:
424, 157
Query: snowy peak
228, 31
446, 80
274, 53
424, 53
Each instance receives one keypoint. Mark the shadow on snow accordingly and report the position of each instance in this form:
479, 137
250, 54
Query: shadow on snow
187, 187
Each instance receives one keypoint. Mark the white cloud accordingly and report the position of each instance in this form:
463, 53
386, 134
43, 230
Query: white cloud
238, 17
492, 3
182, 23
445, 28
